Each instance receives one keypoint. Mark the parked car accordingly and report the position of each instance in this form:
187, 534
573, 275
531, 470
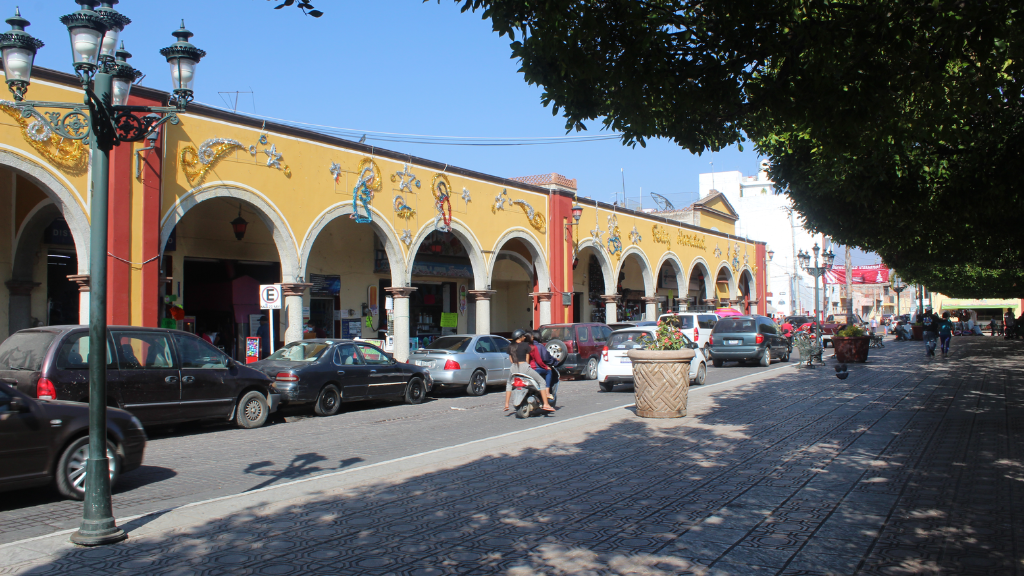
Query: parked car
325, 372
696, 326
576, 348
615, 366
47, 441
159, 375
624, 325
836, 322
470, 361
750, 338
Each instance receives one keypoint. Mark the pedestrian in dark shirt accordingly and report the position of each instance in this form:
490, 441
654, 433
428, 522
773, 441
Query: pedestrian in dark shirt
930, 331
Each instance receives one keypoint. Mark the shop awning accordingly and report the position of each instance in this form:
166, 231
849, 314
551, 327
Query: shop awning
982, 304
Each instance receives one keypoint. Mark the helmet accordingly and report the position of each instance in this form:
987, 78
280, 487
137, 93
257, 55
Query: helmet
536, 335
518, 334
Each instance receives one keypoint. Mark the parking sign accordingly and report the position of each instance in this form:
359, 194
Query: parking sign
270, 296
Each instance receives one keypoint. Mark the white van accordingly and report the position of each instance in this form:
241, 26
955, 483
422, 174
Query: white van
696, 325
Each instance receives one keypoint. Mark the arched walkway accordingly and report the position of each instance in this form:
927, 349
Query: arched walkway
700, 274
537, 271
725, 275
606, 264
396, 259
284, 239
468, 239
59, 202
747, 290
645, 268
672, 260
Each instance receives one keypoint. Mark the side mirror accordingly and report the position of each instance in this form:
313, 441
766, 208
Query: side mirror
18, 405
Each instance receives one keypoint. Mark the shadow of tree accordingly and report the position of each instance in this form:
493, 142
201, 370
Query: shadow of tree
905, 467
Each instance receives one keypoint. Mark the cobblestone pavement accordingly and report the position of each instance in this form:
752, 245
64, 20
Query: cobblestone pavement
192, 463
907, 466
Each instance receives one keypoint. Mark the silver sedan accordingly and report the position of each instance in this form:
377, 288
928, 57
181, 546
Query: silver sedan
472, 361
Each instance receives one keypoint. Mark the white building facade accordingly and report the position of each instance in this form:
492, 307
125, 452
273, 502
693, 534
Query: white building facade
768, 216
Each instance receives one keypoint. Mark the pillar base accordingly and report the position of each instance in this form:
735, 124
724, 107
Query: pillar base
98, 533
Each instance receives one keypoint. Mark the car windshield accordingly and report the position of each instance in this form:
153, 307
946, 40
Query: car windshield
630, 340
300, 352
684, 321
450, 343
25, 350
735, 325
840, 319
559, 332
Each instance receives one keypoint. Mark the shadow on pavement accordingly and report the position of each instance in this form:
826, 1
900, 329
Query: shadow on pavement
905, 467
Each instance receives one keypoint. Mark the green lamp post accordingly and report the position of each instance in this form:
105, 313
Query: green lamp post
105, 120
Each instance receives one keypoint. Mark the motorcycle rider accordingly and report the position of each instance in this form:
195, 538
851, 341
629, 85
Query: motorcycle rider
537, 362
519, 354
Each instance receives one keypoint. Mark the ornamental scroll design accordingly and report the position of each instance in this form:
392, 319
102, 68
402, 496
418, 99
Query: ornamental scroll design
442, 191
71, 156
196, 164
614, 237
535, 217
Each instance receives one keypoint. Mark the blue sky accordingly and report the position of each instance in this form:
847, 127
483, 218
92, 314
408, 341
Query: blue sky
399, 66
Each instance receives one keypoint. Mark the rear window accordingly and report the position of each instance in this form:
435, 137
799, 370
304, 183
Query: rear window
735, 325
631, 340
563, 333
25, 350
707, 320
450, 343
300, 352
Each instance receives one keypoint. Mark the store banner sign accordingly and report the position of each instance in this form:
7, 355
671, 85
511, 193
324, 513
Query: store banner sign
442, 270
324, 285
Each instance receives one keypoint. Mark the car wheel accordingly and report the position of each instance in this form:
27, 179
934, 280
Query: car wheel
71, 468
716, 363
252, 410
606, 386
706, 351
415, 392
702, 374
477, 384
558, 350
766, 358
328, 402
591, 370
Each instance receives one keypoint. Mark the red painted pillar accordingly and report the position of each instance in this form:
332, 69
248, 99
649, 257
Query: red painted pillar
152, 163
762, 279
560, 248
119, 237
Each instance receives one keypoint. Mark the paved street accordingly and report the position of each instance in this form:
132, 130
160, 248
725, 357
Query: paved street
907, 466
191, 463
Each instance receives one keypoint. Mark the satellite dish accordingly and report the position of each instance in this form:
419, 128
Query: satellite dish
662, 202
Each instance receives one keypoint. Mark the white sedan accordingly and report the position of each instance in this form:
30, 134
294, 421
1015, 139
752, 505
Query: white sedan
616, 368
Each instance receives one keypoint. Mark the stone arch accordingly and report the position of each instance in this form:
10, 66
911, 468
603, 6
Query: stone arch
673, 260
746, 277
468, 239
271, 217
724, 266
58, 189
515, 257
606, 264
396, 259
709, 285
645, 268
540, 265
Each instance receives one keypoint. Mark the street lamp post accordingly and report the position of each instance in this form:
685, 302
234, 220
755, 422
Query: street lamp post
106, 79
817, 272
898, 286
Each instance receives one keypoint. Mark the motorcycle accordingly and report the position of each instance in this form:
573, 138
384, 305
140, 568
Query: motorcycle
526, 397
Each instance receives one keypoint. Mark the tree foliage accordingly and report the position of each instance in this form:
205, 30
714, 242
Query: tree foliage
306, 7
894, 125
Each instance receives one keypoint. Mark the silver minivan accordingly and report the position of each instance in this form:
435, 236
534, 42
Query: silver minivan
696, 325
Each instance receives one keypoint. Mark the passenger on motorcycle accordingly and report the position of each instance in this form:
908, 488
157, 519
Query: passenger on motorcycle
538, 361
519, 353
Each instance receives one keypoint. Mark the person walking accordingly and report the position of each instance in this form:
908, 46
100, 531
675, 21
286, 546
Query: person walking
945, 333
1008, 322
930, 331
874, 325
263, 332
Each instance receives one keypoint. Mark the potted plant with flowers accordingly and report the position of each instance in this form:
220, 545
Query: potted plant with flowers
661, 372
851, 344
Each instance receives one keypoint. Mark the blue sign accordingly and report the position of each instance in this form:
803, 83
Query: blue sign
58, 233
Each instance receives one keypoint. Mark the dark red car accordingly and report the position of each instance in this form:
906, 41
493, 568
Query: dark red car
576, 348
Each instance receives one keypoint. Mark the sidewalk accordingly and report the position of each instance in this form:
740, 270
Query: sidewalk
907, 466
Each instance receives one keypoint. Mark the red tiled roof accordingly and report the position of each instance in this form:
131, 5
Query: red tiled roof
546, 179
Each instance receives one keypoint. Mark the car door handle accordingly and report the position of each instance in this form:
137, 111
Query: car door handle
373, 371
171, 379
341, 372
188, 379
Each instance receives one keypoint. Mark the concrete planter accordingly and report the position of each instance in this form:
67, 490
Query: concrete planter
661, 382
851, 349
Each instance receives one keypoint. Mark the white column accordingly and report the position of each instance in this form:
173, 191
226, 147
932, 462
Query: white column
83, 296
611, 302
292, 312
400, 298
543, 307
650, 307
483, 310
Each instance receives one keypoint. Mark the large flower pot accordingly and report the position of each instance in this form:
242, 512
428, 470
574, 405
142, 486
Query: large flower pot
851, 349
917, 332
661, 381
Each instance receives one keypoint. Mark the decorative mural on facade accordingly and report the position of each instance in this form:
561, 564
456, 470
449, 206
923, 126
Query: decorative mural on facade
441, 189
71, 156
195, 164
369, 183
691, 240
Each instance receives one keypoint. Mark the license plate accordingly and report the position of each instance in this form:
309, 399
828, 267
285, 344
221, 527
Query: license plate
625, 361
733, 342
425, 363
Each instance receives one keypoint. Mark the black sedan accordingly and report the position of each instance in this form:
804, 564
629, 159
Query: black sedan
44, 441
325, 373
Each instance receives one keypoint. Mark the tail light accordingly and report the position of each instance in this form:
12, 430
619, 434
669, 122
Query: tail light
518, 383
452, 365
759, 339
286, 377
696, 334
604, 354
711, 340
45, 390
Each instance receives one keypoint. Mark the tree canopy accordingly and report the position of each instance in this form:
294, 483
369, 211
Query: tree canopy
894, 125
